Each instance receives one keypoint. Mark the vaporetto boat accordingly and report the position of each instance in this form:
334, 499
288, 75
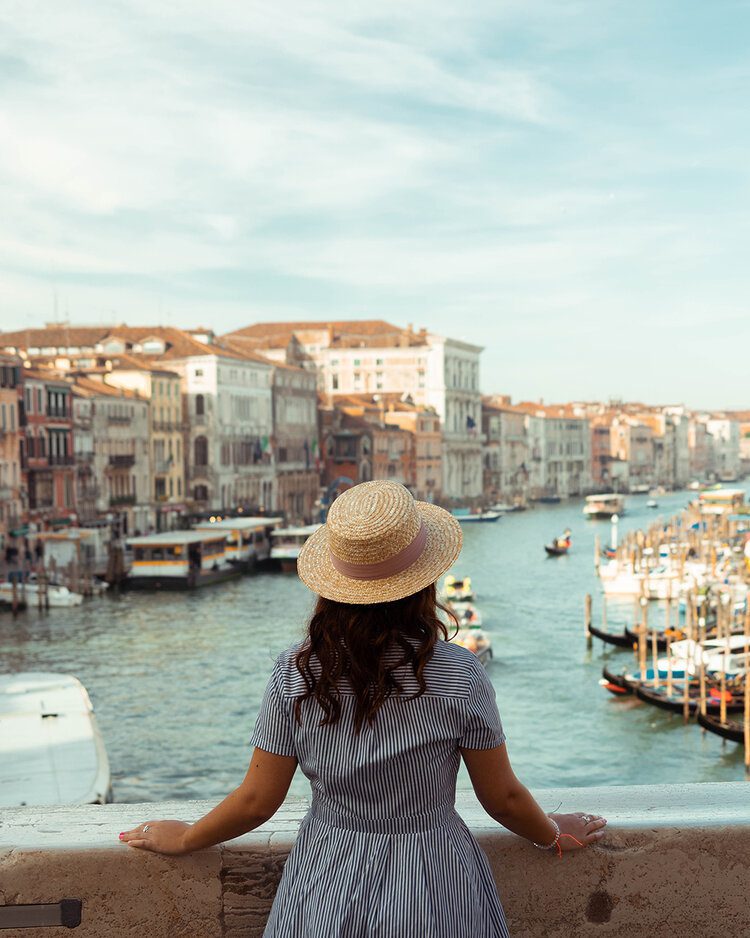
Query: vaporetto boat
248, 538
179, 560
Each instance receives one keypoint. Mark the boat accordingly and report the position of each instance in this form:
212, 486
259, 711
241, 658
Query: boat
733, 730
475, 640
51, 750
604, 506
503, 507
286, 543
467, 614
52, 594
625, 682
179, 560
549, 499
675, 702
464, 515
248, 538
620, 640
559, 546
457, 589
652, 503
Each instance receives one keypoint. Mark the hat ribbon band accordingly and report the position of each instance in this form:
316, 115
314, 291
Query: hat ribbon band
383, 568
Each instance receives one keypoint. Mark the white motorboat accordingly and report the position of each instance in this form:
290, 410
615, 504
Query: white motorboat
464, 516
286, 544
604, 506
652, 503
58, 596
51, 750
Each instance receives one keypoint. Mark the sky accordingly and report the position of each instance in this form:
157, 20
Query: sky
564, 182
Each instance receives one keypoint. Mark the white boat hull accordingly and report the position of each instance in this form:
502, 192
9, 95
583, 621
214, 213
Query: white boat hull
51, 750
56, 596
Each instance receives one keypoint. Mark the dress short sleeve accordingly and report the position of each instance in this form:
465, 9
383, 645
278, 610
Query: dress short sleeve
273, 727
483, 729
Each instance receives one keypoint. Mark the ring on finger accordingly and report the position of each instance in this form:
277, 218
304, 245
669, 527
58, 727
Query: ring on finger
145, 828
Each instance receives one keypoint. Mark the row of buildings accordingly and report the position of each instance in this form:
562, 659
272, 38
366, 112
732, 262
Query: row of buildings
150, 426
534, 451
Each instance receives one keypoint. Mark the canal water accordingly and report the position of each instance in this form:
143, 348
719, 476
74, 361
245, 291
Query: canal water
176, 679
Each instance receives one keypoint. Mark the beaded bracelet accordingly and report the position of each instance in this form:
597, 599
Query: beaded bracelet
555, 843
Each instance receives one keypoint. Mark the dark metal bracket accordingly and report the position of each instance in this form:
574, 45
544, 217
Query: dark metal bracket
66, 912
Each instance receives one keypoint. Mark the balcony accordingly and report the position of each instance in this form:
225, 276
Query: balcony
61, 459
200, 472
122, 461
675, 862
166, 426
118, 420
162, 467
118, 500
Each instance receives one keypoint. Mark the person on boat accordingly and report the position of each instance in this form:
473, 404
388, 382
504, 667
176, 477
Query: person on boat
378, 709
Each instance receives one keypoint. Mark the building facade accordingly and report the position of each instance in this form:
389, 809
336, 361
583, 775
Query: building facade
11, 502
47, 459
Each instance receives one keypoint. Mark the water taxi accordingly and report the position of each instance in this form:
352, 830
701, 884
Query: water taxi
179, 560
604, 506
286, 543
248, 538
51, 750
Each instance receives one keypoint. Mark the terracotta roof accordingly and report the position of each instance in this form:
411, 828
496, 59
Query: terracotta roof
93, 387
134, 362
351, 326
56, 336
42, 374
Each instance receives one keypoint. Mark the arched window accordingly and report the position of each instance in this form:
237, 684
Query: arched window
200, 405
201, 451
200, 493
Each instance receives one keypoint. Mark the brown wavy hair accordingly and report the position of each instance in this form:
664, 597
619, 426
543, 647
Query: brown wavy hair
349, 641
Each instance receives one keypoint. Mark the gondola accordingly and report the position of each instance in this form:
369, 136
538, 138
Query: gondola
560, 545
661, 638
732, 730
616, 684
624, 683
612, 638
658, 697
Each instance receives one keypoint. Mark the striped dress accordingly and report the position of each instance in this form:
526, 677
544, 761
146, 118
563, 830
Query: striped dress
382, 852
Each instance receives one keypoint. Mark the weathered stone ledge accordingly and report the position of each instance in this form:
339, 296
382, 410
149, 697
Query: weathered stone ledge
676, 861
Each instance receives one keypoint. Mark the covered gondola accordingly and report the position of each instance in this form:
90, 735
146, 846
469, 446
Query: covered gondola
732, 730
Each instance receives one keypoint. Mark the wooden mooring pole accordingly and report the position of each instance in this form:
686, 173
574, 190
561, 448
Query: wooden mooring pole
587, 621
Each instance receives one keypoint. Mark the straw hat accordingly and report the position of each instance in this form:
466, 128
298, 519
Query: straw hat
379, 545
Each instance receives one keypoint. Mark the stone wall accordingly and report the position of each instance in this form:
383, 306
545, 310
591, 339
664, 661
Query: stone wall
676, 862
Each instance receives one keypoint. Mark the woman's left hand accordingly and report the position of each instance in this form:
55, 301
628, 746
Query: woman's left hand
158, 836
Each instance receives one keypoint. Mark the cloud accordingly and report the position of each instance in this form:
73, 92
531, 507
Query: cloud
521, 168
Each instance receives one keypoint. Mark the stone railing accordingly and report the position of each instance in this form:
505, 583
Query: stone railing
676, 861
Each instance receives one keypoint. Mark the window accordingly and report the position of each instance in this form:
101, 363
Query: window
200, 405
378, 361
335, 382
201, 451
198, 372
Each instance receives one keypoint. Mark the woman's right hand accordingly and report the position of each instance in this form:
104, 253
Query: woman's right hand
579, 830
